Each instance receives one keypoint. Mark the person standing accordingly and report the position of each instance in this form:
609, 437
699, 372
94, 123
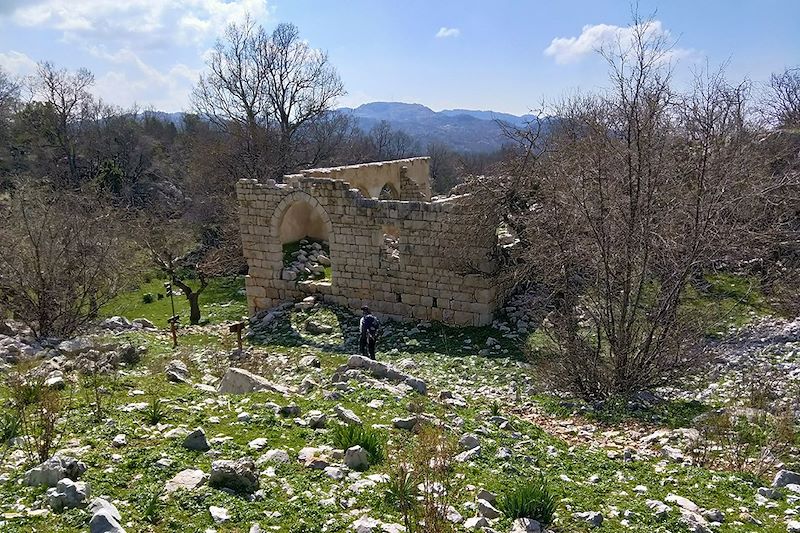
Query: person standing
368, 327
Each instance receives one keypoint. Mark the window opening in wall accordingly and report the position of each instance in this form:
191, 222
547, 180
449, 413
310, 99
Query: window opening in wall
389, 192
506, 238
390, 245
306, 251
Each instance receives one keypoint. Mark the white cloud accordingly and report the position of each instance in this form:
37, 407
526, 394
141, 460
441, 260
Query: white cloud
593, 37
17, 63
137, 23
445, 32
149, 87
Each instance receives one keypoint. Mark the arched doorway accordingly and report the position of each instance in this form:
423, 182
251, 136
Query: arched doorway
304, 230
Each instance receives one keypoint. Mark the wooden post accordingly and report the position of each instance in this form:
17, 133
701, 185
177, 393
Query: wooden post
173, 326
237, 328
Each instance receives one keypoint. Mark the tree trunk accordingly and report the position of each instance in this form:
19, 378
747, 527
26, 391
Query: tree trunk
194, 308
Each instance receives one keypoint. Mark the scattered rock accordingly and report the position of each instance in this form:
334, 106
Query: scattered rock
487, 509
239, 475
592, 518
177, 371
786, 477
105, 517
682, 502
196, 440
53, 470
476, 522
346, 415
469, 441
310, 361
405, 423
274, 456
356, 458
525, 525
316, 328
67, 494
384, 371
219, 514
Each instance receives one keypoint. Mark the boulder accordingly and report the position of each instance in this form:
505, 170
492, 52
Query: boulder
356, 458
239, 475
196, 440
73, 347
105, 517
67, 494
177, 371
525, 525
240, 381
786, 477
347, 416
53, 470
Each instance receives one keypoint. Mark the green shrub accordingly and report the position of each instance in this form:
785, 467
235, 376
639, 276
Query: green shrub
10, 426
353, 435
529, 498
148, 298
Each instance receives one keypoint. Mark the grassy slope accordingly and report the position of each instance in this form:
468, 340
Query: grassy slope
444, 357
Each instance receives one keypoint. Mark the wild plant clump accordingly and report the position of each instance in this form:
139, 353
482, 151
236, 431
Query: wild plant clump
529, 498
347, 436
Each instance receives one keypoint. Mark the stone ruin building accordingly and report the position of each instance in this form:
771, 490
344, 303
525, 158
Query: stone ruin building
376, 238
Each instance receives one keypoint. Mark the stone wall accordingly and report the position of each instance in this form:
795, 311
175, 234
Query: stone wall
370, 178
422, 274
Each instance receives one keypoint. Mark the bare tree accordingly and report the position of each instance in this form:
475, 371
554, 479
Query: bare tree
628, 197
259, 84
783, 98
233, 92
302, 86
62, 256
67, 95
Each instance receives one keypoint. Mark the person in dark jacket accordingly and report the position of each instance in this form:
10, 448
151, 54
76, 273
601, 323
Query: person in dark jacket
368, 327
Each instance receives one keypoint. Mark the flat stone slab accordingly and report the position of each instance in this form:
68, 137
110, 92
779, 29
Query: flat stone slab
188, 479
241, 381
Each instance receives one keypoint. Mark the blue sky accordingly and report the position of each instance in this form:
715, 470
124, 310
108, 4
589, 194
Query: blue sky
506, 56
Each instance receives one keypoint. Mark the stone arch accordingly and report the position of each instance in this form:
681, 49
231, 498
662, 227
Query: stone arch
389, 192
300, 215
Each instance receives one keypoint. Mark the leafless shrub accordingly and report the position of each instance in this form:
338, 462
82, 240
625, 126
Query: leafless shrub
62, 256
39, 410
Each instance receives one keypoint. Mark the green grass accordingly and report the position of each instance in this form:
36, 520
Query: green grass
724, 301
221, 301
300, 499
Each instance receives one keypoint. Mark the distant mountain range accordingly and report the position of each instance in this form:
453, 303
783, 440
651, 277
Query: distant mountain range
461, 129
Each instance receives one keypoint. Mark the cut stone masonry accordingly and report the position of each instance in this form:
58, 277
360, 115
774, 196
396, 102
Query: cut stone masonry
403, 257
